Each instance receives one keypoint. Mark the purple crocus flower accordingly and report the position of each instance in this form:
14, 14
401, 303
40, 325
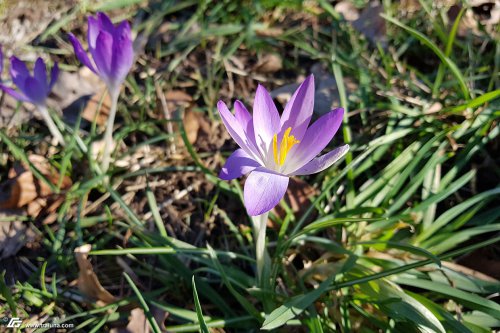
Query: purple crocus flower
32, 88
111, 50
274, 148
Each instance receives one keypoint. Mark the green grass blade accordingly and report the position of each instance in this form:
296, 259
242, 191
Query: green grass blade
199, 313
427, 42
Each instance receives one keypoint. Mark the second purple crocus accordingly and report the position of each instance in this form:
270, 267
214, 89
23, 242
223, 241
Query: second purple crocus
111, 50
34, 88
112, 58
274, 148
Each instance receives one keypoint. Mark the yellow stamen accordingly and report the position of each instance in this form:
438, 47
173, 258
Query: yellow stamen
287, 142
275, 148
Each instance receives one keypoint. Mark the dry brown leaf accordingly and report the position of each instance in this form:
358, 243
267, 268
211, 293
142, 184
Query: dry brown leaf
348, 10
138, 322
13, 234
176, 98
24, 190
297, 197
88, 283
269, 63
191, 125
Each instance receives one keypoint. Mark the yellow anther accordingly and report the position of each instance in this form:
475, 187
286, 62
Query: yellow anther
287, 142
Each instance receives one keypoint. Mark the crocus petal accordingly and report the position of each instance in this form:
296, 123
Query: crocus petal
17, 95
298, 111
19, 72
1, 60
92, 32
317, 136
35, 91
263, 190
103, 56
80, 53
236, 131
237, 165
105, 23
322, 162
245, 119
123, 53
266, 119
40, 72
54, 73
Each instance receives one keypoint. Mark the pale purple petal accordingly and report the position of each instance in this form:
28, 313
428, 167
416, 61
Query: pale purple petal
17, 95
1, 61
236, 131
103, 56
54, 73
237, 165
316, 138
298, 111
245, 119
123, 53
34, 91
19, 72
40, 72
93, 32
263, 190
266, 119
80, 53
322, 162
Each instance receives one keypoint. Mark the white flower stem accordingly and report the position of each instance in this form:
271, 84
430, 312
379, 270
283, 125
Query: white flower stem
260, 224
50, 124
108, 135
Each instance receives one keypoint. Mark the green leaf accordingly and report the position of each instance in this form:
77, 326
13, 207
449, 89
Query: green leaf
294, 306
144, 305
452, 213
478, 101
201, 320
426, 41
406, 247
470, 300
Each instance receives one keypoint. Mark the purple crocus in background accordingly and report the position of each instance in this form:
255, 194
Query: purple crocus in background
274, 148
34, 88
111, 50
112, 58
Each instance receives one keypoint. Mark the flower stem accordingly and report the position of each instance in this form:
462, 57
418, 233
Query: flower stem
50, 124
108, 135
260, 224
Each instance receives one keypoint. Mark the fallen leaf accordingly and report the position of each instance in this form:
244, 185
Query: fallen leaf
138, 322
13, 234
269, 63
191, 125
88, 283
24, 190
348, 10
298, 197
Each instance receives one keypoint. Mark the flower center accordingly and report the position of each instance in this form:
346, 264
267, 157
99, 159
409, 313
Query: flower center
286, 144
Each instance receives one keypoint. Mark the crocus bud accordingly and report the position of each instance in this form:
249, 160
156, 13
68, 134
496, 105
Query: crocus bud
111, 50
31, 88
